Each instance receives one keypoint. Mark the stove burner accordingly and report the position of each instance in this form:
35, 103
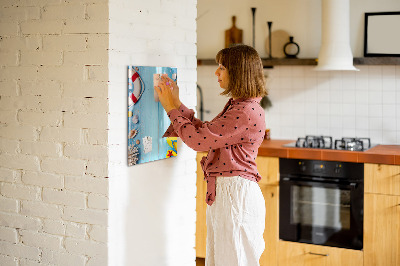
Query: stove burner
324, 142
353, 144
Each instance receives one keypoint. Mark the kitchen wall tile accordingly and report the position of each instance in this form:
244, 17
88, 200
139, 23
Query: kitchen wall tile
336, 121
389, 78
349, 121
323, 109
362, 97
336, 109
362, 110
286, 132
388, 97
298, 83
323, 74
336, 81
300, 130
285, 83
298, 72
348, 132
397, 73
375, 97
322, 82
349, 79
367, 102
336, 95
310, 121
323, 121
310, 81
362, 78
325, 131
362, 123
375, 84
299, 107
298, 96
389, 124
336, 133
310, 95
389, 110
375, 123
286, 71
348, 109
349, 96
375, 110
376, 136
362, 133
286, 120
323, 95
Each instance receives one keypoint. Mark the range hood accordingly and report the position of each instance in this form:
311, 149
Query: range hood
335, 52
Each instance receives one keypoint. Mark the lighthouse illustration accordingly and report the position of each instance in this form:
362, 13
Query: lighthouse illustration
138, 87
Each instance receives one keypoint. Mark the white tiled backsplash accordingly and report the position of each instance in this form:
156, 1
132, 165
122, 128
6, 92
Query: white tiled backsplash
365, 103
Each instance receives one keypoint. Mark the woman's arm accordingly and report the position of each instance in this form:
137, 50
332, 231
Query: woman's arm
232, 128
186, 112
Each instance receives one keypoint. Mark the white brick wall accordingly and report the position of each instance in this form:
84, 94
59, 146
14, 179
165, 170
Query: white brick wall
53, 135
152, 205
60, 138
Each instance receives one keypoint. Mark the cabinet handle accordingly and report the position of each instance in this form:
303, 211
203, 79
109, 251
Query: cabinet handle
318, 254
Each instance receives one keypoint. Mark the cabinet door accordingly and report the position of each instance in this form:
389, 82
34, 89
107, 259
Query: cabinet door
299, 254
268, 167
201, 205
382, 179
271, 232
381, 230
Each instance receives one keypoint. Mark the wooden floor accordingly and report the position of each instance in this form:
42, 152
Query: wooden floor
200, 262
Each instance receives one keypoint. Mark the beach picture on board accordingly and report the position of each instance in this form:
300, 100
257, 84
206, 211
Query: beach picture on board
147, 120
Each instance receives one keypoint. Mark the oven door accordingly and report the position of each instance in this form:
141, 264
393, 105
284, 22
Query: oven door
321, 212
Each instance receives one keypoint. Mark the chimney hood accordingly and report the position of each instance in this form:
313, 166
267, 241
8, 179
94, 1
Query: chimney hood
335, 52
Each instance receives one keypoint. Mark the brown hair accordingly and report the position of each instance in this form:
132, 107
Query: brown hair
245, 69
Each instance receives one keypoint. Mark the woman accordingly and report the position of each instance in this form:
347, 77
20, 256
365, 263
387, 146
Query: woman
236, 211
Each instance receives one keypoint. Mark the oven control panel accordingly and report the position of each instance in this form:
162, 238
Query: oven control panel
317, 168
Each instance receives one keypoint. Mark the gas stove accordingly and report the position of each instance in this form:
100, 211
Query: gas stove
326, 142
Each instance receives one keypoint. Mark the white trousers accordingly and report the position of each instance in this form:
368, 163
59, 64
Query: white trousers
235, 223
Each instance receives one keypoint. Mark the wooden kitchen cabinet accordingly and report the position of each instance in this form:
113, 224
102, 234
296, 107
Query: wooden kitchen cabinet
271, 232
269, 170
382, 215
201, 205
300, 254
382, 179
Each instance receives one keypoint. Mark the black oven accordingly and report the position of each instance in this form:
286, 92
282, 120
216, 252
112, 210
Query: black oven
321, 202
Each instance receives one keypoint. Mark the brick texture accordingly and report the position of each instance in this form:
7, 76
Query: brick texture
53, 57
63, 133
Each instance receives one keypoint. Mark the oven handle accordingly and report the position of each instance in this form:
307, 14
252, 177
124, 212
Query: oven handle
310, 182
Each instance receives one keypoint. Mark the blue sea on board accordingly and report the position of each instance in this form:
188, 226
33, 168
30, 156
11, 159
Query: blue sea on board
152, 118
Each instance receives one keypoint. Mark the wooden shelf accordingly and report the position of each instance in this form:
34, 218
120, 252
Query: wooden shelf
377, 61
269, 63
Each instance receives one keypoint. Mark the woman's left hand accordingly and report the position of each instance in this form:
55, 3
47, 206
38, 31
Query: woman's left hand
165, 95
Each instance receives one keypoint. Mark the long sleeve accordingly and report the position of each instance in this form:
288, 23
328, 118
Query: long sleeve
185, 112
232, 127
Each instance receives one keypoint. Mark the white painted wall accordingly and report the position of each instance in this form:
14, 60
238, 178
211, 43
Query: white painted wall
341, 104
301, 19
152, 205
63, 132
53, 133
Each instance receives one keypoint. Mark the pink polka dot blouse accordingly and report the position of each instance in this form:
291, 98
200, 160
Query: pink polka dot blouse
232, 139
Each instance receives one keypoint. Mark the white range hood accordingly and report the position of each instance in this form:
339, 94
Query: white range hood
335, 52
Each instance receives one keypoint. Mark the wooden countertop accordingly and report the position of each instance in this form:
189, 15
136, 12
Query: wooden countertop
380, 154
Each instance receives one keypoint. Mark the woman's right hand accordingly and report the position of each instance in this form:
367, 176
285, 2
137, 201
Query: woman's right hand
175, 90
